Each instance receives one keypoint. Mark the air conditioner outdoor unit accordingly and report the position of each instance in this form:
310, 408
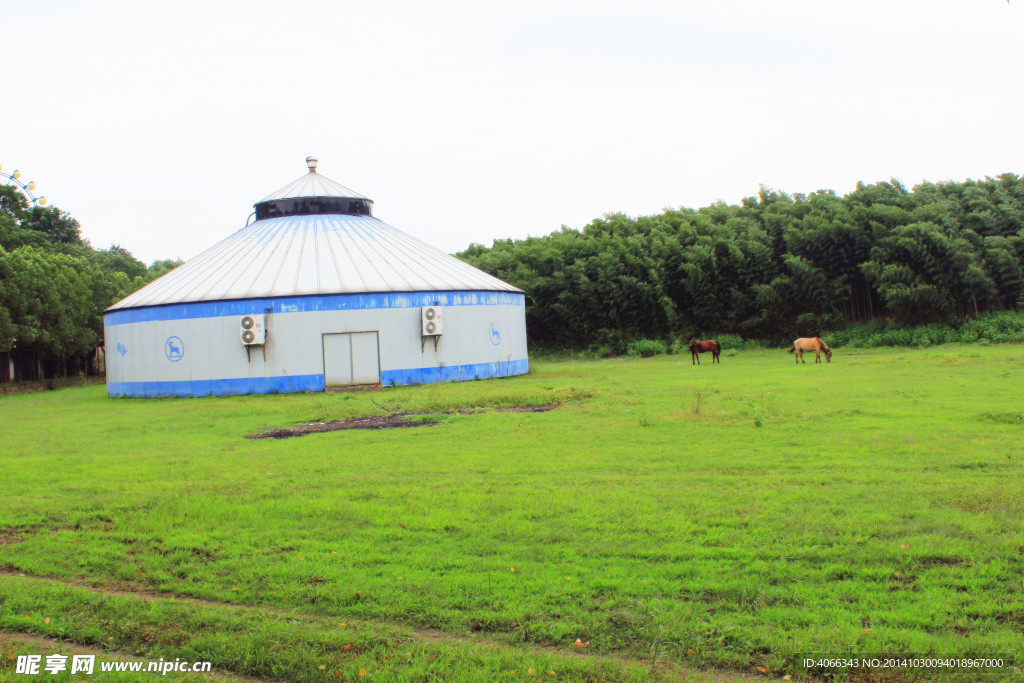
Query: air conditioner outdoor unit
430, 321
253, 329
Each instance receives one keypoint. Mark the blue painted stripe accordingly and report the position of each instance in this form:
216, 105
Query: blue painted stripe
218, 387
292, 383
318, 302
458, 373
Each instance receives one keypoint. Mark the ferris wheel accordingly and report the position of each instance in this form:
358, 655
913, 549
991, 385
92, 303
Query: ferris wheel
26, 188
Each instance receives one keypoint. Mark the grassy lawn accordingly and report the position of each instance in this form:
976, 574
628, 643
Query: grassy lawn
674, 519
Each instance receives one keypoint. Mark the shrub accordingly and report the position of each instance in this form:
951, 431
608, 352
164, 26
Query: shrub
898, 337
1005, 326
611, 339
679, 345
729, 341
755, 344
644, 348
1002, 326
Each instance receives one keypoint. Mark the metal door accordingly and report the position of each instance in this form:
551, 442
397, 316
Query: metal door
365, 358
351, 358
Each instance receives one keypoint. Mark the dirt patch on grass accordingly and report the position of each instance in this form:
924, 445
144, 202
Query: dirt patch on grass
9, 536
375, 422
392, 421
530, 409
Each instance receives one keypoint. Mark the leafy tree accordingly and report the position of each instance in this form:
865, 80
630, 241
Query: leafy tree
57, 226
119, 259
775, 264
160, 268
48, 302
54, 286
12, 203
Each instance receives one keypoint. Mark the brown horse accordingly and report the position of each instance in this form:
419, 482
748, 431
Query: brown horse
810, 344
699, 347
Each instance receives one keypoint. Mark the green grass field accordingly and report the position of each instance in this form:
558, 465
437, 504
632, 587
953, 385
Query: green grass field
681, 522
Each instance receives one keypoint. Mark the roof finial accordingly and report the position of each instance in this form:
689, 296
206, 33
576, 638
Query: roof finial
311, 162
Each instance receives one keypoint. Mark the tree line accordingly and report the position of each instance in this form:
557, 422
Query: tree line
774, 267
54, 287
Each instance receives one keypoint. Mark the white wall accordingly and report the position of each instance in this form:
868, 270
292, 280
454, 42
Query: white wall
136, 352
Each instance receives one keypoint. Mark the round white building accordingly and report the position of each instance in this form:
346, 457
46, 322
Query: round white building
314, 293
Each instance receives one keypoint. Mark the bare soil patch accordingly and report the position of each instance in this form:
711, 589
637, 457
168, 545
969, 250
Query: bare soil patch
9, 536
373, 422
391, 421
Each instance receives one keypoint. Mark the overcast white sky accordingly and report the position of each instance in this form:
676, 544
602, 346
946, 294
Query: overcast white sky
158, 126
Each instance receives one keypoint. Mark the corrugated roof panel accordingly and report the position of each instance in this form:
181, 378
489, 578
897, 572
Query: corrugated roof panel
288, 273
307, 280
228, 277
254, 269
182, 282
313, 254
366, 267
223, 273
313, 185
426, 259
329, 277
343, 264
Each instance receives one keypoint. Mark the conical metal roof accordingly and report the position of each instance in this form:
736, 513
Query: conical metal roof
310, 254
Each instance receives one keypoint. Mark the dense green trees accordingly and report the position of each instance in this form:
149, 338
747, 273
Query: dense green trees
774, 266
53, 289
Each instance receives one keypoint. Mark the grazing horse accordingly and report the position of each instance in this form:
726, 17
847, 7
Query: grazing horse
699, 347
810, 344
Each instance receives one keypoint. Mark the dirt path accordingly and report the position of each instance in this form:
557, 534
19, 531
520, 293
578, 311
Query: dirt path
416, 633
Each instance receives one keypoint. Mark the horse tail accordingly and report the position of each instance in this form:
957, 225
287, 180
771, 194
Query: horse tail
718, 347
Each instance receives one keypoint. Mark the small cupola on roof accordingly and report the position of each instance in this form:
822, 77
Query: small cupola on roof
313, 194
